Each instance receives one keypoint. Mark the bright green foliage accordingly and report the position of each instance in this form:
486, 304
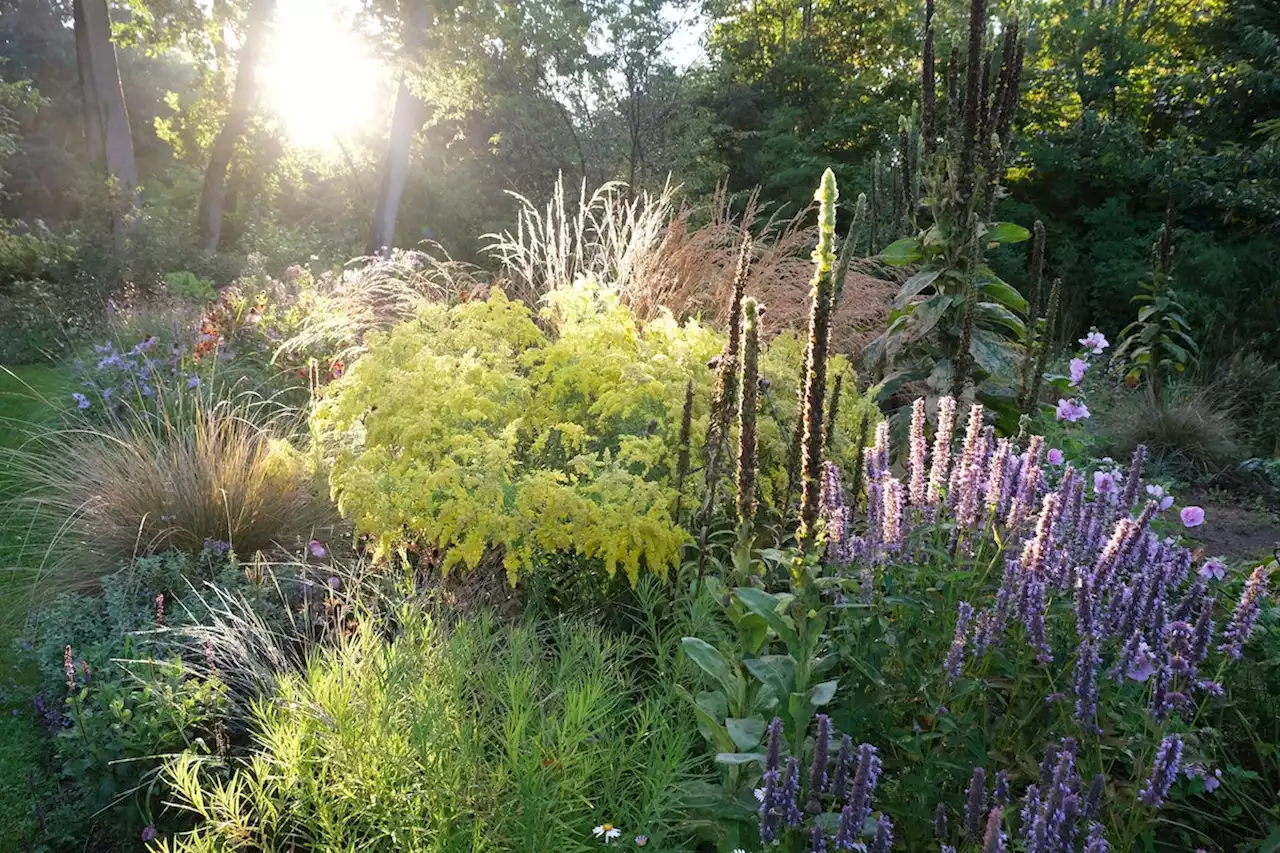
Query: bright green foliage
471, 428
482, 738
188, 285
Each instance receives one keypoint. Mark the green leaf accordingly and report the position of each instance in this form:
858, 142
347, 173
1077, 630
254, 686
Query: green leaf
1006, 232
747, 732
914, 286
777, 671
767, 606
992, 312
823, 693
753, 630
926, 316
1000, 291
708, 721
714, 664
739, 757
908, 250
993, 353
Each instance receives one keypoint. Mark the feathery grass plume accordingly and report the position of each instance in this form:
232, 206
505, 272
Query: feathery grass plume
748, 462
833, 411
682, 456
929, 86
972, 94
819, 340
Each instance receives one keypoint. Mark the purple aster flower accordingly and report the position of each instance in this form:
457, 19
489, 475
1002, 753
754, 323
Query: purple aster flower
940, 822
81, 400
1071, 410
818, 770
883, 842
193, 381
1056, 457
148, 833
955, 655
318, 550
1164, 769
1192, 516
1213, 569
1095, 342
1242, 621
1086, 684
975, 806
1078, 367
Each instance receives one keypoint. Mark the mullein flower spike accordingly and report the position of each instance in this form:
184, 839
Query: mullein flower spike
750, 391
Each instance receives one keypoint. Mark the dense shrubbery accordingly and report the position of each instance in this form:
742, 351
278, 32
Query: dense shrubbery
471, 428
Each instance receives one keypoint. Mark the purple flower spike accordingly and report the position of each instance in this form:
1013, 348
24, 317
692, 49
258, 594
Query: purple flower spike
1001, 795
846, 831
1192, 516
940, 822
1164, 769
864, 784
975, 806
1086, 684
1242, 622
955, 656
817, 840
844, 769
994, 840
919, 481
883, 842
773, 752
1096, 842
818, 771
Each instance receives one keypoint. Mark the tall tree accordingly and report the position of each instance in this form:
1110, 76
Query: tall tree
213, 195
106, 119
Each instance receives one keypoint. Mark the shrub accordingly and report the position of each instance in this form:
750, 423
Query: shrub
204, 475
187, 285
471, 428
984, 610
1248, 386
479, 737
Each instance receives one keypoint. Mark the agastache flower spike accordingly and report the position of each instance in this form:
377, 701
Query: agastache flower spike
1085, 616
1242, 622
846, 831
69, 668
1093, 800
844, 764
1039, 545
995, 480
940, 822
1133, 479
892, 515
773, 750
1001, 795
955, 655
1096, 842
817, 840
1030, 811
994, 840
864, 784
975, 804
1086, 684
1028, 482
1204, 632
883, 842
789, 796
919, 482
1164, 769
818, 771
941, 449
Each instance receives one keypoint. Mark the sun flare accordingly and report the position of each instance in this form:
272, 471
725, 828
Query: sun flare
321, 78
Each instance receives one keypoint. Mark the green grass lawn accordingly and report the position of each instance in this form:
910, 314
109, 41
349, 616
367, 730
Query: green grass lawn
29, 397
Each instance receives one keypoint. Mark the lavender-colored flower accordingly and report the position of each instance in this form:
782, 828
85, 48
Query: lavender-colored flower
1096, 841
1179, 639
216, 547
193, 381
1077, 368
1157, 493
1164, 769
883, 841
919, 476
159, 600
81, 400
940, 822
1086, 684
1104, 483
975, 805
1242, 621
864, 784
789, 793
955, 655
844, 768
847, 830
1071, 410
1203, 632
1213, 569
773, 747
818, 770
1141, 664
1086, 606
1212, 688
1192, 516
1133, 477
1032, 616
994, 839
892, 514
817, 840
1056, 457
1095, 342
318, 550
69, 668
941, 462
1001, 795
996, 486
1037, 548
148, 833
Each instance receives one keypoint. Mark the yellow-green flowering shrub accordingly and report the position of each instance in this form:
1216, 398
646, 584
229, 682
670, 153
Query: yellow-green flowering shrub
474, 428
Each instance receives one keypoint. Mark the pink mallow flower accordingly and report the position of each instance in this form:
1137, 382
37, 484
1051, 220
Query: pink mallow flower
1055, 456
1071, 410
1157, 493
1078, 368
1214, 569
317, 550
1192, 516
1095, 342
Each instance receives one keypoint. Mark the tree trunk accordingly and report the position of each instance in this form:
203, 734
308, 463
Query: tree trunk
405, 121
213, 194
106, 119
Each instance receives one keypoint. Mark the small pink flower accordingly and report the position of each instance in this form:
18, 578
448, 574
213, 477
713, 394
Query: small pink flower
317, 550
1213, 568
1055, 456
1192, 516
1078, 368
1071, 410
1095, 342
1104, 482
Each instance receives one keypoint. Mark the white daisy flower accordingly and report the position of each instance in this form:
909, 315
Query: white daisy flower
607, 832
